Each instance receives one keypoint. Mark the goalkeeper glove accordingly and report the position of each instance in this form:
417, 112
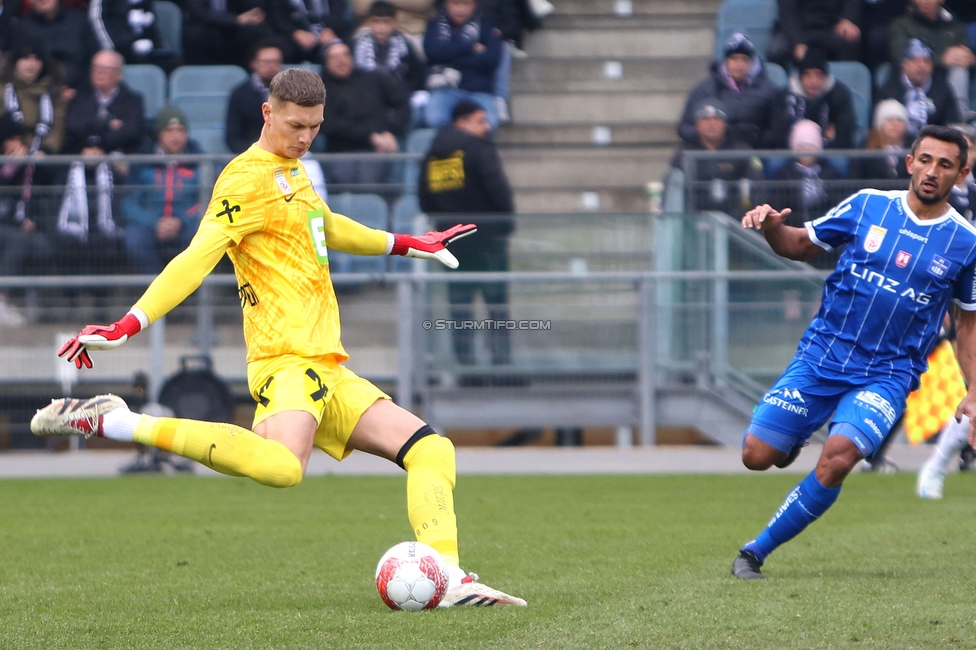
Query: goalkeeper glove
432, 246
99, 337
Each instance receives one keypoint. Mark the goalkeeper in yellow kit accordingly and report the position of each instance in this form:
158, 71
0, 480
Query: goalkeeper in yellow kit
277, 231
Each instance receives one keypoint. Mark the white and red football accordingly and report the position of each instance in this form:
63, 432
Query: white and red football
411, 576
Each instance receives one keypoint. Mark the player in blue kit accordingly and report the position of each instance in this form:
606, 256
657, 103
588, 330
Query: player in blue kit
908, 255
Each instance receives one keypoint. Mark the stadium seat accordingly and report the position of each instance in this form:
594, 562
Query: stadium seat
370, 210
777, 75
209, 137
169, 20
203, 110
205, 80
403, 218
417, 142
754, 17
149, 81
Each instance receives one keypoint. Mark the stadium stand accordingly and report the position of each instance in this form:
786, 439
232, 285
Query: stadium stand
754, 17
370, 210
149, 81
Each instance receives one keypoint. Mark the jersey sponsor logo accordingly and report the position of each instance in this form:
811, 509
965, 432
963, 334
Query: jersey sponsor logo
876, 404
875, 236
247, 295
320, 391
788, 401
447, 173
283, 185
316, 226
913, 235
228, 210
294, 172
874, 427
889, 284
940, 266
902, 259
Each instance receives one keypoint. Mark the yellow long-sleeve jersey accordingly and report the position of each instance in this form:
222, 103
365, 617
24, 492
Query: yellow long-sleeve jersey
277, 231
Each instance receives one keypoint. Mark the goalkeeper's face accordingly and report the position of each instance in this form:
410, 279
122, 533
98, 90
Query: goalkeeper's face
289, 128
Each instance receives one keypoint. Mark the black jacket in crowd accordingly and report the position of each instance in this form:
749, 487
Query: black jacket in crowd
716, 181
753, 113
462, 173
285, 16
835, 105
807, 21
360, 105
244, 118
943, 108
86, 128
68, 38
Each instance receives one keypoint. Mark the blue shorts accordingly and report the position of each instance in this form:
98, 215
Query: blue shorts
805, 396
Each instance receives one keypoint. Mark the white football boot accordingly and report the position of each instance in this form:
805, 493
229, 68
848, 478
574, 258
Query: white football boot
464, 589
70, 416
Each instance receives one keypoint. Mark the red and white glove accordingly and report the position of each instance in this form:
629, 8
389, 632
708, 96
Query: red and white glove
99, 337
433, 245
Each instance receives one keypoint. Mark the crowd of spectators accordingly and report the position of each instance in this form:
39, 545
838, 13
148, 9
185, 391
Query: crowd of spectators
389, 66
920, 56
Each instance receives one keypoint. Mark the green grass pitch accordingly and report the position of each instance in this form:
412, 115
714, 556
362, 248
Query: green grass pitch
605, 562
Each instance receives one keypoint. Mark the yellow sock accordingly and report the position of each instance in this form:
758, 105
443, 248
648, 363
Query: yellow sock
226, 448
431, 475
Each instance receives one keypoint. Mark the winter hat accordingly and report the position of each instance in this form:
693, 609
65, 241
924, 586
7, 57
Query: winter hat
806, 136
814, 58
889, 109
170, 116
739, 43
917, 49
711, 107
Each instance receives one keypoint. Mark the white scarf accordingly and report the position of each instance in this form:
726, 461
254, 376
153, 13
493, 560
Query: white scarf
45, 117
73, 215
365, 56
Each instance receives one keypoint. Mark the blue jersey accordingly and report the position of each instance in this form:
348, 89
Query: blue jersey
883, 305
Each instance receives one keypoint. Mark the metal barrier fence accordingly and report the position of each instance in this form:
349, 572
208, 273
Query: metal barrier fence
605, 315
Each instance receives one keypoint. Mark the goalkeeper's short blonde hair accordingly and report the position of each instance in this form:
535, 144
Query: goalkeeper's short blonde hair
299, 86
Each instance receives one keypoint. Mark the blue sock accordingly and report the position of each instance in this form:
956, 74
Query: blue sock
802, 506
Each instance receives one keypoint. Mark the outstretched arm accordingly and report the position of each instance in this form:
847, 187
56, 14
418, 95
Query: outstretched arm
786, 241
966, 355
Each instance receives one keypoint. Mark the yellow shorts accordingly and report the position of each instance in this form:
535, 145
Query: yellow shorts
334, 395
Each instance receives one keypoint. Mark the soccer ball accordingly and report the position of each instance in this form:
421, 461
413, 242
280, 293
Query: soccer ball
411, 576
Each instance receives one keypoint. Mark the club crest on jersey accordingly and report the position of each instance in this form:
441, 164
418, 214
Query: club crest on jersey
875, 236
902, 259
939, 266
283, 185
294, 171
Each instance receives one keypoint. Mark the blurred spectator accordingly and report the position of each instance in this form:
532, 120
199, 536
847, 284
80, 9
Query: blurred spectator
309, 25
805, 190
963, 196
9, 26
515, 17
33, 82
722, 184
876, 17
244, 117
224, 31
817, 95
21, 242
380, 46
755, 108
921, 89
890, 134
66, 35
129, 27
105, 117
965, 12
828, 24
464, 52
947, 38
365, 112
462, 174
411, 17
163, 213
